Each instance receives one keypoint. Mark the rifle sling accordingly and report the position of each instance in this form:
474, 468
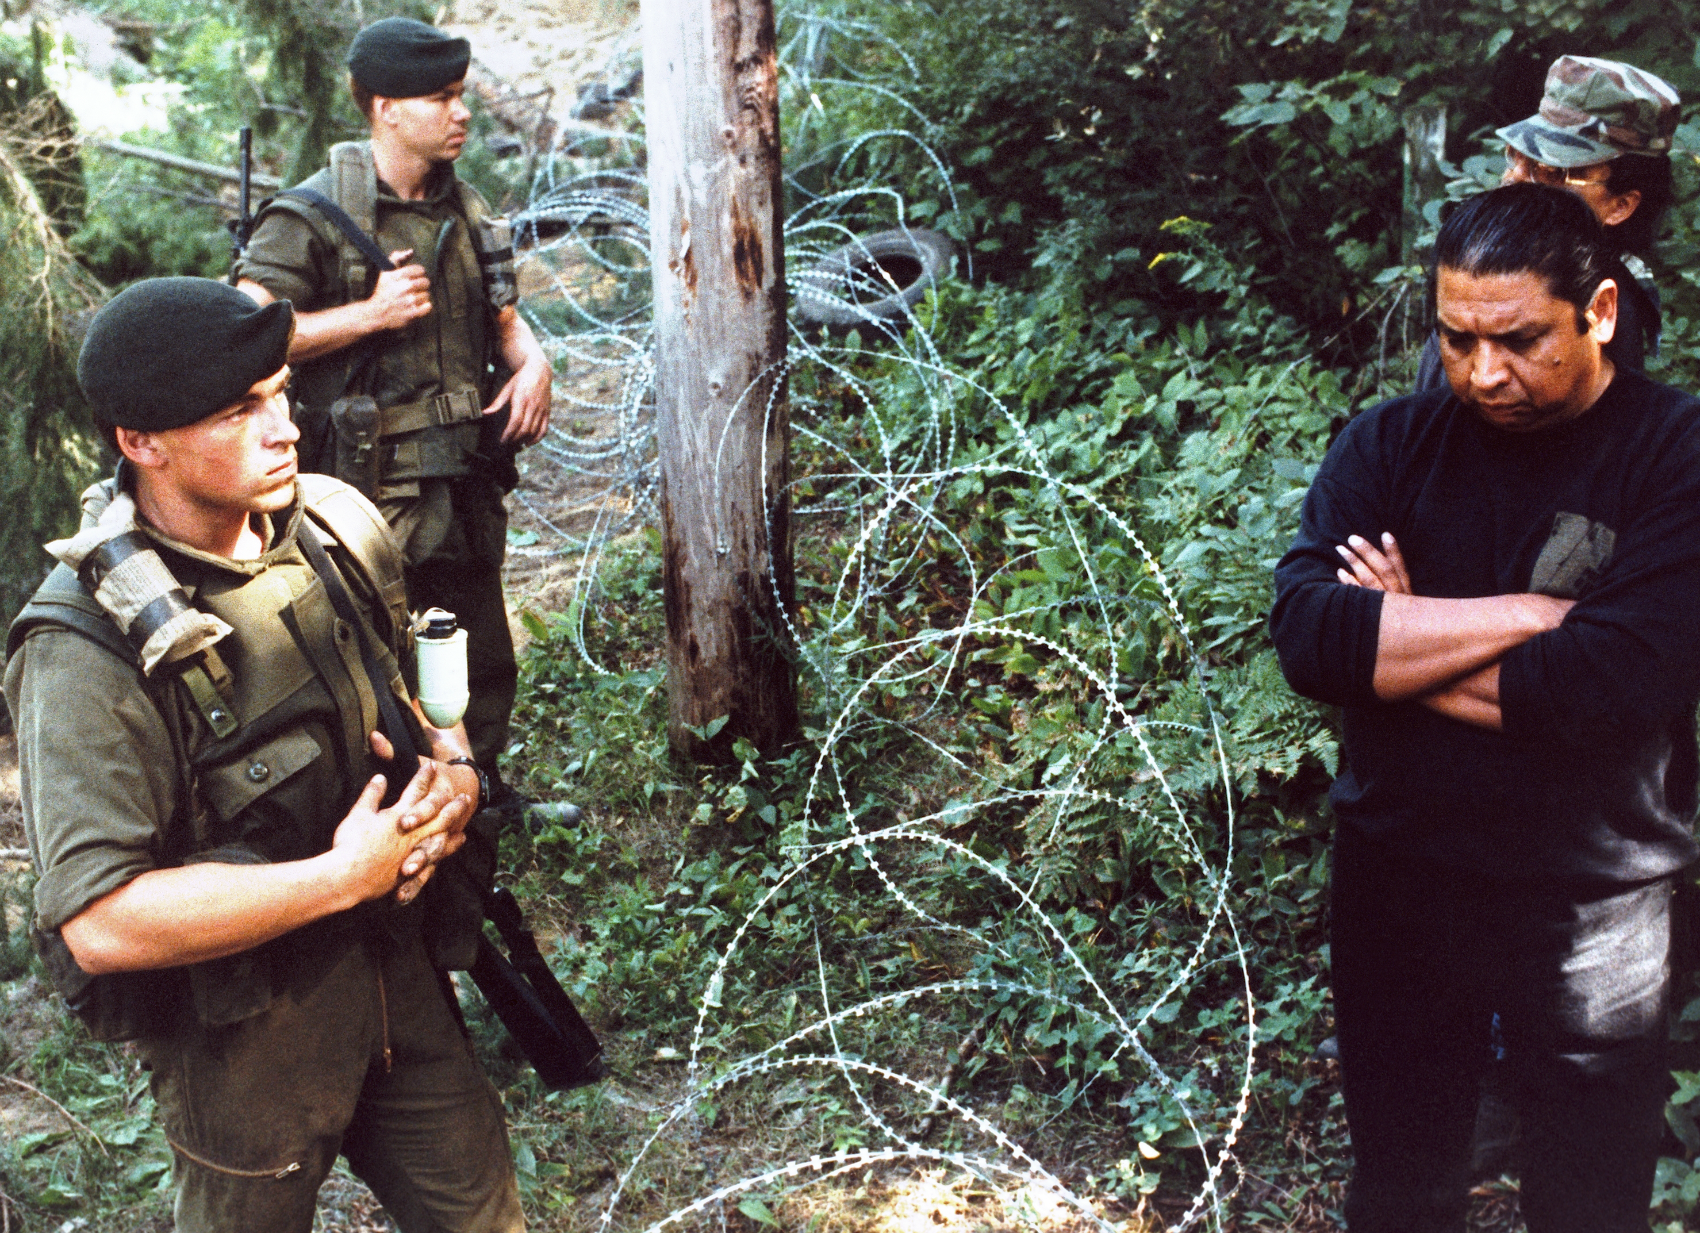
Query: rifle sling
405, 764
338, 218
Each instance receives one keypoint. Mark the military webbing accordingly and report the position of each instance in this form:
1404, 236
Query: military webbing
338, 218
453, 408
205, 671
405, 764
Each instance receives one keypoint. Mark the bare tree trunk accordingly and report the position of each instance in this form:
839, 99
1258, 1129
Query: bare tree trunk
1425, 180
711, 100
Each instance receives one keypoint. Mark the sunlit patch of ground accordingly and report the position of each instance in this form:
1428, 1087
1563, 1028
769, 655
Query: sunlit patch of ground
935, 1201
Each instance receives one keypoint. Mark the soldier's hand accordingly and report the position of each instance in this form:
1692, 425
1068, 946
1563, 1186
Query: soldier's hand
438, 845
530, 391
402, 295
388, 849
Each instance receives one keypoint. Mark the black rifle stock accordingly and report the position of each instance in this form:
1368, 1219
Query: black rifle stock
531, 1003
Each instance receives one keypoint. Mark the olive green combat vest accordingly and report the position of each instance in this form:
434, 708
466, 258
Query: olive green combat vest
432, 379
274, 784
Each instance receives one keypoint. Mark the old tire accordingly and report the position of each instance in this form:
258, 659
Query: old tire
873, 280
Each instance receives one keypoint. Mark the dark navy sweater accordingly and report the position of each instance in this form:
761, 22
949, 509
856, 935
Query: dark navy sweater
1594, 776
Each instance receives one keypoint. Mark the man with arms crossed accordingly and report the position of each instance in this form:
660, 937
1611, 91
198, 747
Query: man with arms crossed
1500, 584
219, 879
419, 339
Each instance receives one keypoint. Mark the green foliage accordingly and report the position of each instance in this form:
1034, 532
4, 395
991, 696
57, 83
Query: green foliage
1076, 128
1031, 592
275, 65
47, 448
15, 949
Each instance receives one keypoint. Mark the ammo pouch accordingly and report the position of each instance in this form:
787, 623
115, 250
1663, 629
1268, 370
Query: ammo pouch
357, 430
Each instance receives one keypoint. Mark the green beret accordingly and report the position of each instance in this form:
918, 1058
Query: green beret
166, 352
399, 57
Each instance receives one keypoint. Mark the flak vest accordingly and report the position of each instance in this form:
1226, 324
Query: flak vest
430, 380
269, 733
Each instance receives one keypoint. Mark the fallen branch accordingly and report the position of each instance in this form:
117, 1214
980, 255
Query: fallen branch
64, 1112
966, 1050
231, 174
14, 854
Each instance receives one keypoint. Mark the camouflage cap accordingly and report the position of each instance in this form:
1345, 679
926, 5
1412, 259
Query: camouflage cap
1595, 110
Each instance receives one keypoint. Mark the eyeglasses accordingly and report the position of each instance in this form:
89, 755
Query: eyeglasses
1555, 177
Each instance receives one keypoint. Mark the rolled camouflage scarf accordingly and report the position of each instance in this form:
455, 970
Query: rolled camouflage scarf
122, 569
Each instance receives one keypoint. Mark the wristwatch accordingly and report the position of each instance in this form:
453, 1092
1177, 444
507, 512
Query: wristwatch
483, 780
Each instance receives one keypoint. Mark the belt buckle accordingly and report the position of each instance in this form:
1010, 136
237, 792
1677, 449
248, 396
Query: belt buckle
454, 407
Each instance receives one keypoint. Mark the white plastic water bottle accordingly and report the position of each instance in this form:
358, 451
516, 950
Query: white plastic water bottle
443, 692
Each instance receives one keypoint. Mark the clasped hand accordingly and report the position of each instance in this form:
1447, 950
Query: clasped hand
396, 849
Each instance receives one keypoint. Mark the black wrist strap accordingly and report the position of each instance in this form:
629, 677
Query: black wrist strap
405, 765
483, 780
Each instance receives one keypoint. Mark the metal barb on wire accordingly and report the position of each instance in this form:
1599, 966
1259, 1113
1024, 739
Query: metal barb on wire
585, 238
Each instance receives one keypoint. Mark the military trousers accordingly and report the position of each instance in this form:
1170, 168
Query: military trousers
454, 536
360, 1054
1423, 958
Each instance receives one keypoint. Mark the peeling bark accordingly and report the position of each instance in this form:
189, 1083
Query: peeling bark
712, 105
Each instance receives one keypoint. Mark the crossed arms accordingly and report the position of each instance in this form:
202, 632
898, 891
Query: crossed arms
1443, 653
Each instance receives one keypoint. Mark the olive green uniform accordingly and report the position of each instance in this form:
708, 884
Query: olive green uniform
440, 468
336, 1037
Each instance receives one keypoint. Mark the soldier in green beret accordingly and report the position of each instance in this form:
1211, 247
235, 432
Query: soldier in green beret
1603, 132
416, 377
221, 879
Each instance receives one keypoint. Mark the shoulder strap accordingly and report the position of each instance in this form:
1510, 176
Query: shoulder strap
354, 182
351, 208
63, 600
390, 721
355, 524
343, 222
470, 203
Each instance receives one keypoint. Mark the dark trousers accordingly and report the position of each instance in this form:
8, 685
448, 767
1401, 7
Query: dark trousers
453, 536
359, 1053
1423, 957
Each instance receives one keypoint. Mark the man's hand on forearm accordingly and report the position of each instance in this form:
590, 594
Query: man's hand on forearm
1428, 646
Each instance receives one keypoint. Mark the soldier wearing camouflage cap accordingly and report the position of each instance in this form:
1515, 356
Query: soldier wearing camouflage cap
1603, 132
1593, 111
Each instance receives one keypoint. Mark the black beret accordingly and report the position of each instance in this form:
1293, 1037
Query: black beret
399, 57
166, 352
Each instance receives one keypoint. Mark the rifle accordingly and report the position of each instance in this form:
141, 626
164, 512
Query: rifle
242, 226
519, 986
531, 1004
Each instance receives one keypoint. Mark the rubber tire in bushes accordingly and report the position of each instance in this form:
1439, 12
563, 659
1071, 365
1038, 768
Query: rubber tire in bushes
854, 285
